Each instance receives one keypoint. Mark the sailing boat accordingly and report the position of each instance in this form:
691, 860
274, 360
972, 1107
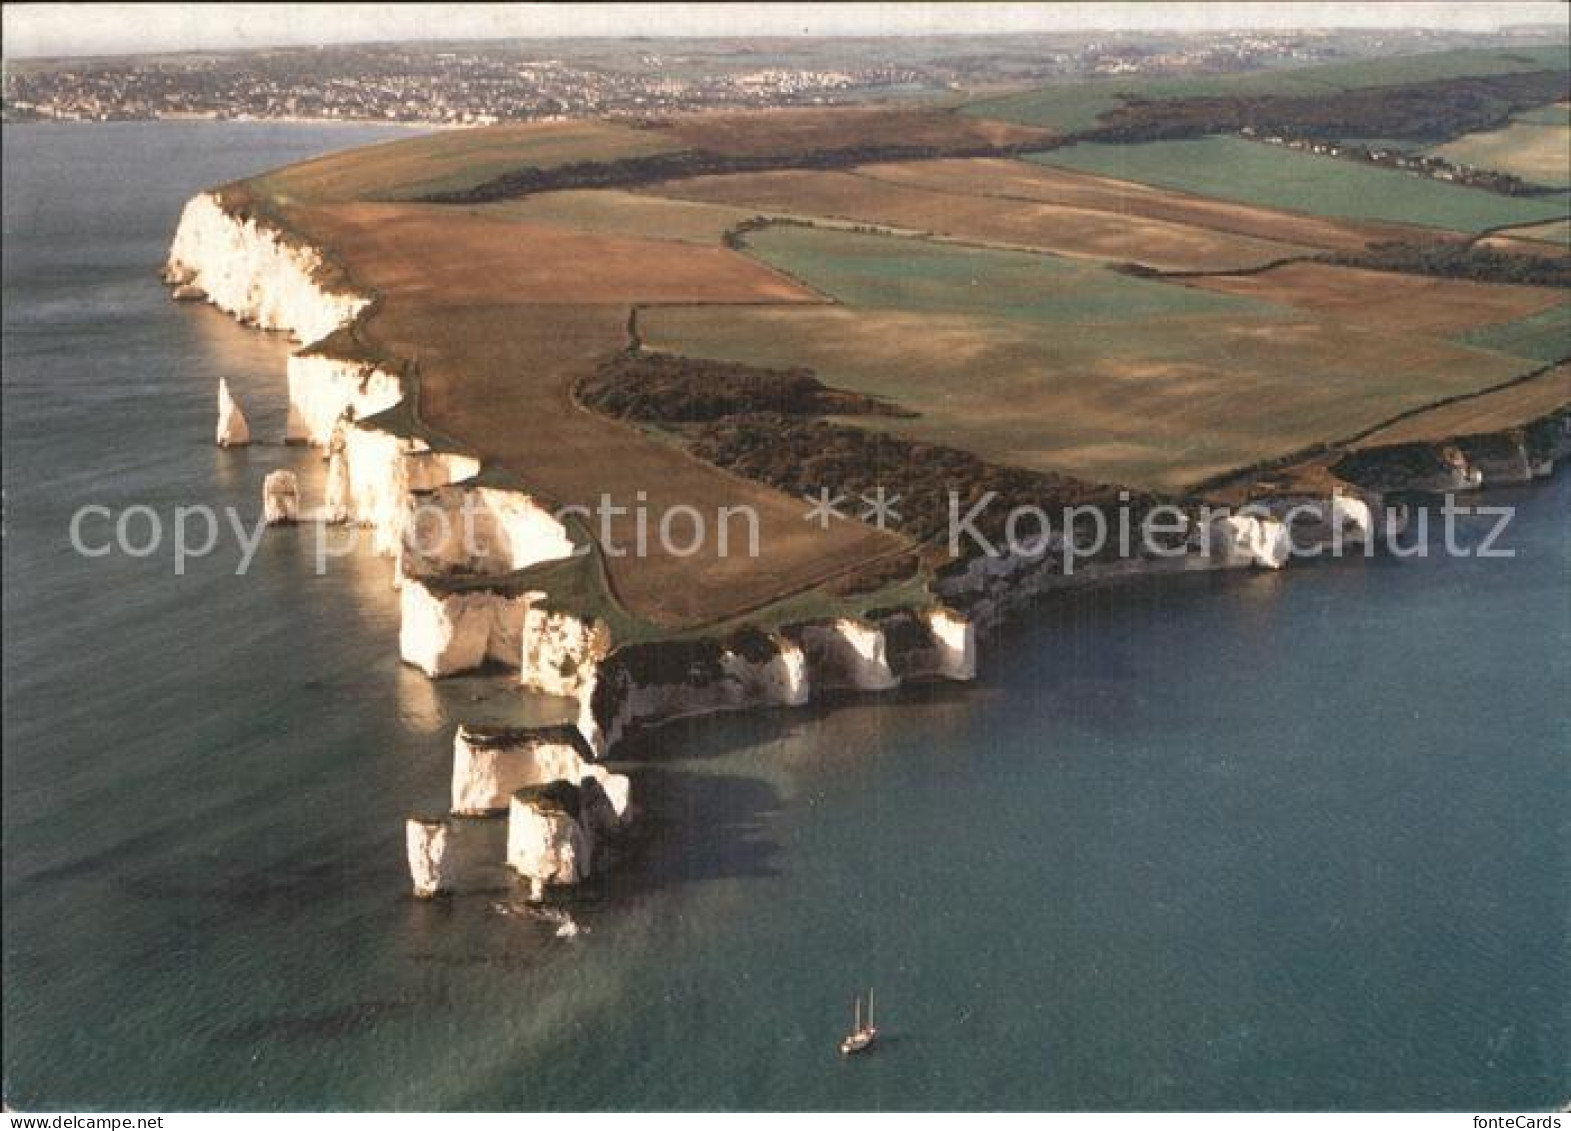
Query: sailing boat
861, 1037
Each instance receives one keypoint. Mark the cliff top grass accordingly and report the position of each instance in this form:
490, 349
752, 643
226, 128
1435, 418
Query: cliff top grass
563, 797
485, 737
1232, 168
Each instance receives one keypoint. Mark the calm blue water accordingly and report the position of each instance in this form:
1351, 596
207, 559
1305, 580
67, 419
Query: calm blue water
1264, 841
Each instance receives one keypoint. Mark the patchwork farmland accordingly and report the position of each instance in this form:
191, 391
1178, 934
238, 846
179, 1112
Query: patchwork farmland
1153, 315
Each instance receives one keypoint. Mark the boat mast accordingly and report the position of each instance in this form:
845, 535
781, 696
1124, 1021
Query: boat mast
856, 1026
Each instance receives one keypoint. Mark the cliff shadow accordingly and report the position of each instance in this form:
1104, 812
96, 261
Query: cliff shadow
695, 827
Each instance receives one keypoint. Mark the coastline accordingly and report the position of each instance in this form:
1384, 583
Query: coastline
541, 603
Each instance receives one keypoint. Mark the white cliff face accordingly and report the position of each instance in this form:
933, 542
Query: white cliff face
1241, 539
280, 497
456, 855
492, 764
326, 390
649, 684
1320, 524
546, 843
233, 431
560, 652
248, 270
385, 470
1353, 518
847, 653
954, 644
446, 632
779, 681
480, 530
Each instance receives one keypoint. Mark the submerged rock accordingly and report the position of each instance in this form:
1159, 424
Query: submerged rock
280, 497
233, 431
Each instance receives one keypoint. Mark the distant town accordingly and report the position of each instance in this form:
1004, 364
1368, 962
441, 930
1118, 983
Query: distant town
482, 83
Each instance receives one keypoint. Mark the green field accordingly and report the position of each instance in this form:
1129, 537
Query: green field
1076, 107
1557, 115
1232, 168
1545, 336
1158, 402
891, 273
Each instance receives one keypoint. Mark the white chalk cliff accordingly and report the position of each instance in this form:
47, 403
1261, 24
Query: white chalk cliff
254, 273
325, 390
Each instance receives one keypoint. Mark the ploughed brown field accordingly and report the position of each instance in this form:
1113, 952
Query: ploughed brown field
1489, 412
451, 257
1097, 233
1414, 304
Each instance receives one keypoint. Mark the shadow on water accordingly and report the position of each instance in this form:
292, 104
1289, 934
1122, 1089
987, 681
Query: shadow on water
696, 827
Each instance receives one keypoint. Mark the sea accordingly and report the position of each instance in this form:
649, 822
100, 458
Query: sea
1280, 841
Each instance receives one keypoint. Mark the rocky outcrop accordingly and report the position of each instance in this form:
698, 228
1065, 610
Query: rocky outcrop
1416, 467
657, 682
444, 630
280, 497
558, 807
462, 540
927, 644
233, 431
339, 505
549, 836
456, 855
845, 653
490, 764
1548, 441
1245, 539
1466, 462
1498, 458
